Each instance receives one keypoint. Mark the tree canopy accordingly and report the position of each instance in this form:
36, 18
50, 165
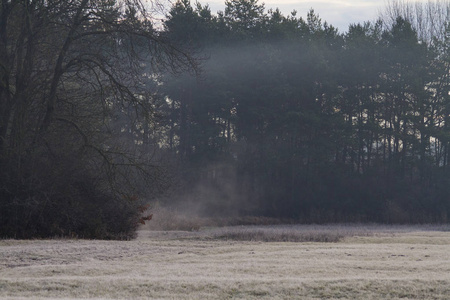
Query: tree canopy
301, 121
76, 88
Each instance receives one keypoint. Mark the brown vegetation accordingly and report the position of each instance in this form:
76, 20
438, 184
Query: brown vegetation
389, 263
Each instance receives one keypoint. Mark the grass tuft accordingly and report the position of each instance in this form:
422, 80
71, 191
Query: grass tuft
289, 233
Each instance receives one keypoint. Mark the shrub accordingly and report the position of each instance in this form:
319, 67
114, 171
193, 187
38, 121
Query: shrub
62, 198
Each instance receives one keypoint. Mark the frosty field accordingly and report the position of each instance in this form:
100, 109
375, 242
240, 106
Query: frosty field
373, 262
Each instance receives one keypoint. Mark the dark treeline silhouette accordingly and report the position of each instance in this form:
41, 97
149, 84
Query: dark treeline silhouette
246, 112
73, 100
290, 118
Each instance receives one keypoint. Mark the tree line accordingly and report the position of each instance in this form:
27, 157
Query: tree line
290, 118
241, 112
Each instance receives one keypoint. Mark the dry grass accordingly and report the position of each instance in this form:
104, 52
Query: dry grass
382, 263
290, 233
314, 233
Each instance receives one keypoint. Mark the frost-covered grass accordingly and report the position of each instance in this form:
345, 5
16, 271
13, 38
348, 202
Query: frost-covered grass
367, 262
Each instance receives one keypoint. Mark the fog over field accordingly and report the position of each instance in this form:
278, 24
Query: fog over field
382, 263
229, 133
246, 112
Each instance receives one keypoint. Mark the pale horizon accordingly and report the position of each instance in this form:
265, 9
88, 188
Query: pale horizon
339, 13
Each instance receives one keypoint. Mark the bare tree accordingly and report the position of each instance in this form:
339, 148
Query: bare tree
428, 18
70, 71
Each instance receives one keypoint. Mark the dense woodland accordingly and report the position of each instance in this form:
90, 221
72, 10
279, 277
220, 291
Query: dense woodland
241, 112
291, 118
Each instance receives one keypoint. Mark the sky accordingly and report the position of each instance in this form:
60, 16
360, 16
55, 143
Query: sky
339, 13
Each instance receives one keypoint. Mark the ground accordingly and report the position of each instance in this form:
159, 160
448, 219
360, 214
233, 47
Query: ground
411, 263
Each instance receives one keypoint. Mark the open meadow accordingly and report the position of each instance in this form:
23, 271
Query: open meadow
250, 262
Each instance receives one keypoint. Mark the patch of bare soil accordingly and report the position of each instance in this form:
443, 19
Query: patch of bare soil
399, 263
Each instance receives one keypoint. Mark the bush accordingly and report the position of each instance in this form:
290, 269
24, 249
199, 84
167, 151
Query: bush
62, 198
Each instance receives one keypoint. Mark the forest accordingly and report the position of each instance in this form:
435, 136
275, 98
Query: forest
241, 112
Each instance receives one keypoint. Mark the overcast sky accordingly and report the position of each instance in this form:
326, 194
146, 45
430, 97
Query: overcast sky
339, 13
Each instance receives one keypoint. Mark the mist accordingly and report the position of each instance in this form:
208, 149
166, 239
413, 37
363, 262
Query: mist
288, 118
